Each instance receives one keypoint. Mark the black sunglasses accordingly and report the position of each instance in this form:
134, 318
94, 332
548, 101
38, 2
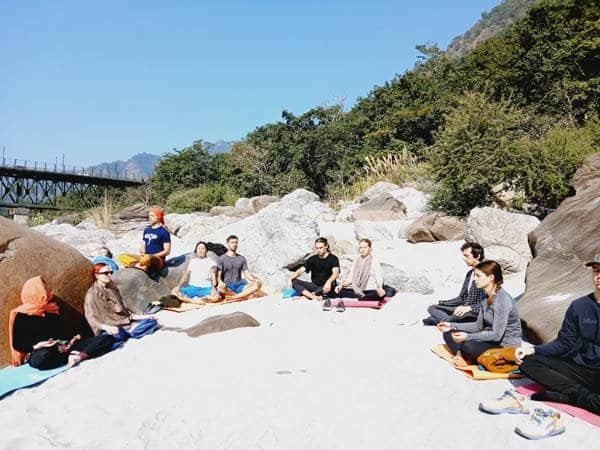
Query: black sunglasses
109, 272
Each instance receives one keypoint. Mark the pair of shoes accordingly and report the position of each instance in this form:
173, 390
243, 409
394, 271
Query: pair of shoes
509, 402
327, 305
340, 306
542, 423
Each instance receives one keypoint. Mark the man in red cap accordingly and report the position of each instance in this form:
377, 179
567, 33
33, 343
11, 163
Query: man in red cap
156, 245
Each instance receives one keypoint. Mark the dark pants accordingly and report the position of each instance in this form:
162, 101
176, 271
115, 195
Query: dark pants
301, 285
52, 357
470, 350
369, 294
581, 385
441, 313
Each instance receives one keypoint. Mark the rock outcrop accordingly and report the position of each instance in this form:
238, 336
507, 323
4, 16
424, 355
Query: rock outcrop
503, 235
563, 242
436, 226
24, 254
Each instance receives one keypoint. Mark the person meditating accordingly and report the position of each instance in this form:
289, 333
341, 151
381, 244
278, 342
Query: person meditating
324, 268
198, 282
367, 278
39, 336
233, 275
155, 247
569, 366
105, 311
497, 325
465, 307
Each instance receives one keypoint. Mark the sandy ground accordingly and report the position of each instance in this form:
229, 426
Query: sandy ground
304, 379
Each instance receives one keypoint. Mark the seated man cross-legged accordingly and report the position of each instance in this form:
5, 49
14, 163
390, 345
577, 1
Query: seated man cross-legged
324, 268
465, 307
233, 274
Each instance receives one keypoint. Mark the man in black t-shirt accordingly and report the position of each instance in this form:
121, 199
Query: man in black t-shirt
324, 269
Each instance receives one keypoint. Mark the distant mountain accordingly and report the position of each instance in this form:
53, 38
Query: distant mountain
142, 165
219, 147
490, 24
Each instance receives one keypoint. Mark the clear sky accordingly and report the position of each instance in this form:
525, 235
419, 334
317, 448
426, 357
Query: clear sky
100, 81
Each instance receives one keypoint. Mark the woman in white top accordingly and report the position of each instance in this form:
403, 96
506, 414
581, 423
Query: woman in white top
198, 283
367, 279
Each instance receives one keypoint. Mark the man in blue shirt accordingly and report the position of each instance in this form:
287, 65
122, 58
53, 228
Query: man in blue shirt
569, 366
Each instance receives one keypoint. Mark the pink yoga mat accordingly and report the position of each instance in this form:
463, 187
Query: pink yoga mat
353, 303
528, 389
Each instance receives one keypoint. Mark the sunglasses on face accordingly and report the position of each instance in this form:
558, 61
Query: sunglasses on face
109, 272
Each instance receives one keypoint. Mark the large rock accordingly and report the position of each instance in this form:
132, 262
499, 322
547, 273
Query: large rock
229, 211
562, 243
436, 226
139, 211
404, 282
24, 254
381, 207
415, 201
85, 237
279, 234
261, 201
497, 231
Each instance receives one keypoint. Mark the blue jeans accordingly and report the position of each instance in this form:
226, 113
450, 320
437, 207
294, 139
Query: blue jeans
238, 287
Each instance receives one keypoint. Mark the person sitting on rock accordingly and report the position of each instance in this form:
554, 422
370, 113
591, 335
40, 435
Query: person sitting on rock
233, 275
198, 283
106, 313
569, 366
39, 336
155, 247
324, 269
105, 256
465, 307
497, 325
367, 278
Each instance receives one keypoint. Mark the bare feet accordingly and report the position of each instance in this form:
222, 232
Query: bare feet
459, 361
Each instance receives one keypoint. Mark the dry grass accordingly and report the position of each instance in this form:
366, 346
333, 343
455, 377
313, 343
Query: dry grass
103, 214
401, 168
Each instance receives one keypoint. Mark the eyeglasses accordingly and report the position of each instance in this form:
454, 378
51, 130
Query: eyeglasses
109, 272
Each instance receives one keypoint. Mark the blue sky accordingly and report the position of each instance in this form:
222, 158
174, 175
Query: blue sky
102, 81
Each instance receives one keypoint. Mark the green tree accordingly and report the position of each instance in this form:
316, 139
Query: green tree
182, 169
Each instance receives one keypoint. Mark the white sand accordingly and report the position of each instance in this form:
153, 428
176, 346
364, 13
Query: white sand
304, 379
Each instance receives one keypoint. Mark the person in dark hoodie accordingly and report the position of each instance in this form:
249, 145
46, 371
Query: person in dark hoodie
569, 366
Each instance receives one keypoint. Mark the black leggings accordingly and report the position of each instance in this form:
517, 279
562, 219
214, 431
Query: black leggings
301, 286
370, 294
443, 313
51, 358
470, 350
581, 385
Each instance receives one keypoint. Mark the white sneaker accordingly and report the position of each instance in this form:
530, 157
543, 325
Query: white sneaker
510, 402
542, 423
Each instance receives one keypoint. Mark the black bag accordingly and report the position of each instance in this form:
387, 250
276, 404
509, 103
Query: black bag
389, 290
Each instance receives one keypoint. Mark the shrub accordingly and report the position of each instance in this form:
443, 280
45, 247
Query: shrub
201, 198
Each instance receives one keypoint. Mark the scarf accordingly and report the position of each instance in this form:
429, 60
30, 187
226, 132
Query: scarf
159, 213
360, 274
37, 301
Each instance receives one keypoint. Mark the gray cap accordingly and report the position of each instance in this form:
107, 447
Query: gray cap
595, 260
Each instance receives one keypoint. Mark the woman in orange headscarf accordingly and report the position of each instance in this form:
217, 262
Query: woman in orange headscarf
39, 336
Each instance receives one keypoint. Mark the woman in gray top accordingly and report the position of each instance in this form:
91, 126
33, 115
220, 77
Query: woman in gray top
497, 325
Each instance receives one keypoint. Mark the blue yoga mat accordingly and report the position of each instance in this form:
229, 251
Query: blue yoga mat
14, 378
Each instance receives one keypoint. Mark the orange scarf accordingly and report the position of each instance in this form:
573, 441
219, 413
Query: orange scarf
37, 301
159, 213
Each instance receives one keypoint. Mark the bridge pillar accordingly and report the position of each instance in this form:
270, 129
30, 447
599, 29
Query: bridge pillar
20, 215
